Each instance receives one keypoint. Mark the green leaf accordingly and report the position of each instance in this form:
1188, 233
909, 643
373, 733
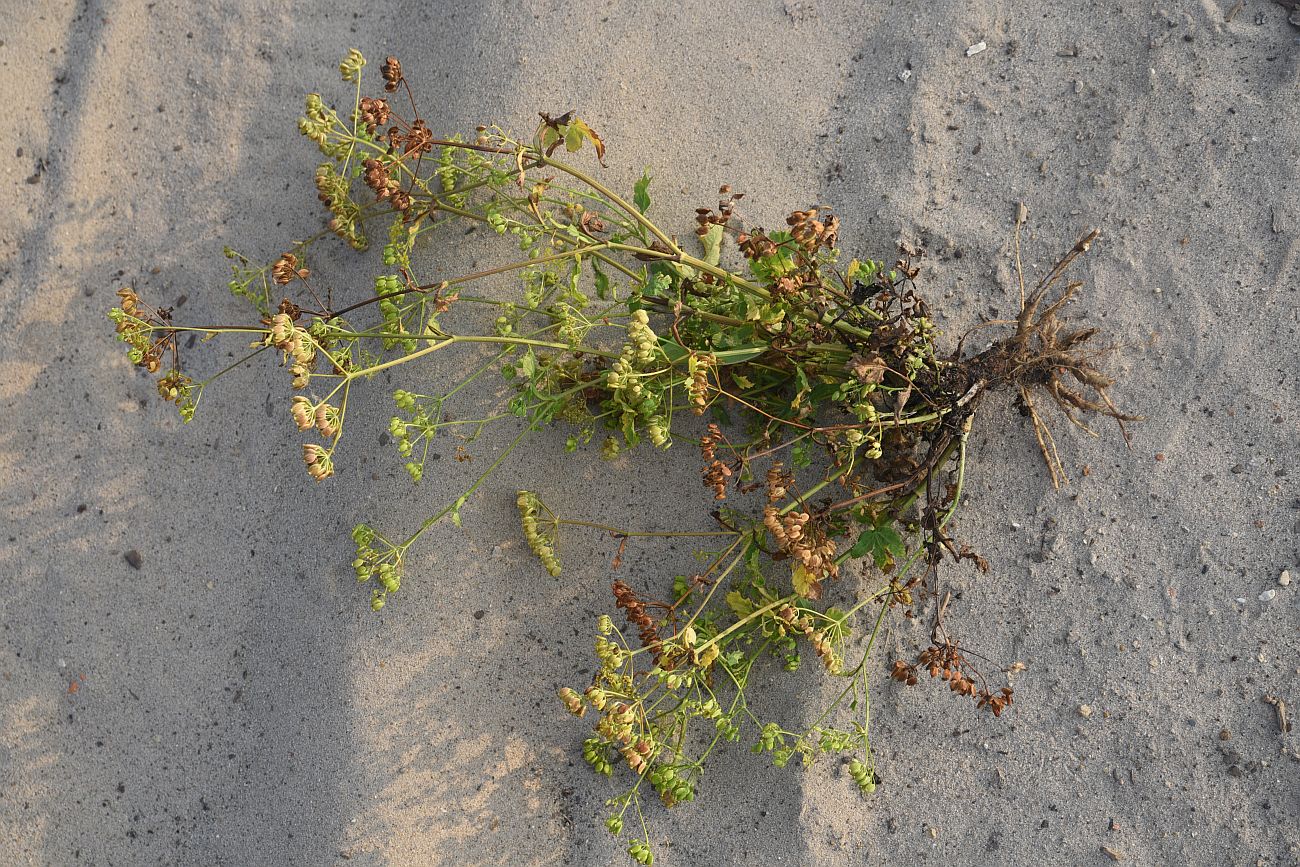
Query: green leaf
801, 579
641, 193
575, 273
882, 542
676, 352
822, 392
739, 604
780, 263
572, 138
711, 242
683, 272
528, 364
801, 379
629, 429
602, 280
455, 511
754, 562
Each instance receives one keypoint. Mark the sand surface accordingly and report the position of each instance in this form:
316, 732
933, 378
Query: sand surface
234, 702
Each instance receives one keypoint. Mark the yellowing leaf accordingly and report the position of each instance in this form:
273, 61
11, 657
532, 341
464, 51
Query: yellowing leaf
590, 134
804, 583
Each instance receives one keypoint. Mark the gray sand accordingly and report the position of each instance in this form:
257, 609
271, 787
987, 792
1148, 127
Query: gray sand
236, 703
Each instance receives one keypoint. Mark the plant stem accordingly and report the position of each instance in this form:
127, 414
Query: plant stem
784, 600
630, 533
631, 210
460, 501
469, 338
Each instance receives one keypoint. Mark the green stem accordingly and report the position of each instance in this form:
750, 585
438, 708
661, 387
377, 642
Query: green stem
223, 371
513, 266
852, 682
621, 532
463, 338
784, 600
631, 210
759, 291
460, 501
838, 474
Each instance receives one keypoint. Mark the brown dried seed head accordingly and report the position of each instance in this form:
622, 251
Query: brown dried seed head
374, 113
391, 70
286, 270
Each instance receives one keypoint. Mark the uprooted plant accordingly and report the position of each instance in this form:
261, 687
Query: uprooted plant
827, 419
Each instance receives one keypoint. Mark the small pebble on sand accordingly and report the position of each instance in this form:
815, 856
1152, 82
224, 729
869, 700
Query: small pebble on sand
1267, 595
133, 557
1085, 710
975, 49
1285, 578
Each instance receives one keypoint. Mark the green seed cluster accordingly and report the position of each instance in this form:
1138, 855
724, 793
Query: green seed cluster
631, 381
671, 787
863, 776
397, 252
390, 309
350, 67
610, 448
317, 121
383, 565
541, 543
611, 656
596, 753
422, 425
769, 738
504, 326
640, 852
836, 740
335, 193
447, 172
